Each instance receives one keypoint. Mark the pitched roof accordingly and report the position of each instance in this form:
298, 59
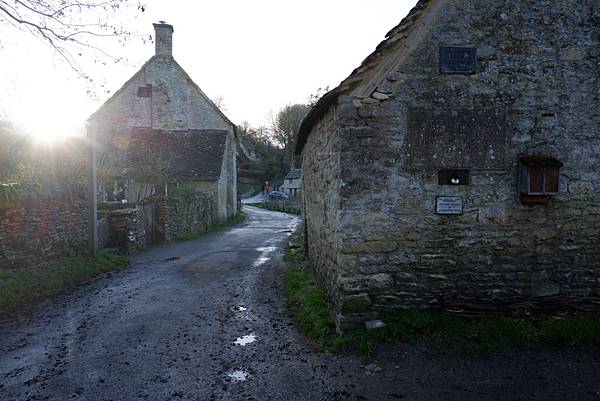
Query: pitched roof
363, 81
294, 173
185, 74
188, 154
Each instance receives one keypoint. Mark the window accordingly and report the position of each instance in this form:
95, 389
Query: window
453, 177
539, 178
145, 91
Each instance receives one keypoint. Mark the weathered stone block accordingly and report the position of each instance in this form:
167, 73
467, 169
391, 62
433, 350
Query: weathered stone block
355, 303
369, 247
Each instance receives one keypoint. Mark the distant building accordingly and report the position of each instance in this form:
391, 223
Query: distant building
460, 163
160, 126
292, 183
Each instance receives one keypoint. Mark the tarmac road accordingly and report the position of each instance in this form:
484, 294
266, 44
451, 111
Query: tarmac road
205, 320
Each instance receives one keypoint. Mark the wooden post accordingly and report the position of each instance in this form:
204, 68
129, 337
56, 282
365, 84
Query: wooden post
92, 196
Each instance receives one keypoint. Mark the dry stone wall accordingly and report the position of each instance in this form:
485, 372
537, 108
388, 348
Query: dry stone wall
127, 230
42, 232
182, 215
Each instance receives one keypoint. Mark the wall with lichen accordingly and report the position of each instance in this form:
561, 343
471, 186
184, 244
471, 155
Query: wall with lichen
537, 70
42, 232
183, 215
321, 166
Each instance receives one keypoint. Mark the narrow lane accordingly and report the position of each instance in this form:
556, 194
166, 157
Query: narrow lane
205, 320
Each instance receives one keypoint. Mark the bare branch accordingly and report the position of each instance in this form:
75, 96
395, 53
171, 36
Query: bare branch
74, 29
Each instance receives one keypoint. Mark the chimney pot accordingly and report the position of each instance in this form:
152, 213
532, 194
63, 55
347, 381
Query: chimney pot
163, 39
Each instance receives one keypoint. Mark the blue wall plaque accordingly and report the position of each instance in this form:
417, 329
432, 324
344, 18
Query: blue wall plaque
458, 60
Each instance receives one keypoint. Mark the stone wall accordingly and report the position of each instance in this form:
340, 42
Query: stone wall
321, 163
127, 229
42, 232
185, 215
537, 66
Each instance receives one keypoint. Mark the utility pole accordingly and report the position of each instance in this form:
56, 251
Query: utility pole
92, 195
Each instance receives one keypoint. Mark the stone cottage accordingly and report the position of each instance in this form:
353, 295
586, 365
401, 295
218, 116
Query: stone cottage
292, 183
161, 105
460, 163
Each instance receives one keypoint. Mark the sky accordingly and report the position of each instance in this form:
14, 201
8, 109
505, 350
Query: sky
256, 55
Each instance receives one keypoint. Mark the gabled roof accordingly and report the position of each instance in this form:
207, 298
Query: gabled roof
141, 71
294, 174
188, 154
363, 81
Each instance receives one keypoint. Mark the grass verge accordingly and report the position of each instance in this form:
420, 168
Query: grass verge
26, 285
453, 332
283, 209
238, 218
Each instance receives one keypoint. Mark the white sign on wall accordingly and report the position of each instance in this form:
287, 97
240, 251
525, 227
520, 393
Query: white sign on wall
449, 205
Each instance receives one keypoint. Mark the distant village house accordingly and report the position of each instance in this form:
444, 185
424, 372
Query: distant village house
292, 183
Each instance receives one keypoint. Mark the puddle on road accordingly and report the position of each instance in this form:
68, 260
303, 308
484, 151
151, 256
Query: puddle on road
238, 375
239, 308
264, 257
245, 340
260, 261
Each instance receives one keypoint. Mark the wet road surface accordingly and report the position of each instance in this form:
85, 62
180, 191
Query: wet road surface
205, 320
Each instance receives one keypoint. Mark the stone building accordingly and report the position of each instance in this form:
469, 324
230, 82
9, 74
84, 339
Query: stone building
292, 183
161, 105
460, 163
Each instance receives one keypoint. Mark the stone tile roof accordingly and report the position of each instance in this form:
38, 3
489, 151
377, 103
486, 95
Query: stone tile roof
188, 154
294, 174
373, 62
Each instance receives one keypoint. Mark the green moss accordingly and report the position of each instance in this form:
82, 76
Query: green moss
293, 255
455, 333
308, 305
27, 285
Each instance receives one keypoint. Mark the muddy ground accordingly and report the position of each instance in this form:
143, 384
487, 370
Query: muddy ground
167, 327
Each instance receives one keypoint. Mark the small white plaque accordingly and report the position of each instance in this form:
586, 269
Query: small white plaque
449, 205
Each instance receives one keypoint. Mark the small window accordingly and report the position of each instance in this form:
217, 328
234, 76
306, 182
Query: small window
453, 177
538, 178
145, 91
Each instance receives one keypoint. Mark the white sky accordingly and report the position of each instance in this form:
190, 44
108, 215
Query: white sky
258, 55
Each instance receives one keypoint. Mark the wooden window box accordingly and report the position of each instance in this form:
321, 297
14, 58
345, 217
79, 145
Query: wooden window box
539, 178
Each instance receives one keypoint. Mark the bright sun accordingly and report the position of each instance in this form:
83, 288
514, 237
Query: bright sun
49, 123
49, 131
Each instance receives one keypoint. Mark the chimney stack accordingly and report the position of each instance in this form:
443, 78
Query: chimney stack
163, 39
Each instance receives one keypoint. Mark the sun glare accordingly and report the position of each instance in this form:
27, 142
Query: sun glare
50, 131
49, 124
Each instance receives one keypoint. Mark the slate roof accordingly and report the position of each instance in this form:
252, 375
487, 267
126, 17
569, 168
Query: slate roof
294, 174
188, 154
372, 68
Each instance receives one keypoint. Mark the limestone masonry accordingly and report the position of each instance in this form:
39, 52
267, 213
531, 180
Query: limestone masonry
161, 105
460, 163
41, 232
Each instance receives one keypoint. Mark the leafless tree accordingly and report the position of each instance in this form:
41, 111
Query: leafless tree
75, 29
284, 129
